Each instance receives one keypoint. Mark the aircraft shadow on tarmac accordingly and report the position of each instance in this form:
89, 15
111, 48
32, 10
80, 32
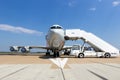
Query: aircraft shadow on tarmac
51, 56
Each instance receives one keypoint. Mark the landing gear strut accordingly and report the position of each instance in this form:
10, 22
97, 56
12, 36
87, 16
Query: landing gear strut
56, 54
47, 53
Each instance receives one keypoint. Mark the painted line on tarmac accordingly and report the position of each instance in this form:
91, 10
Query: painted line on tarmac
107, 64
101, 77
59, 62
13, 72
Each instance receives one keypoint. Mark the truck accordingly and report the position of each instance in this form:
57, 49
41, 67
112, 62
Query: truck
88, 51
98, 47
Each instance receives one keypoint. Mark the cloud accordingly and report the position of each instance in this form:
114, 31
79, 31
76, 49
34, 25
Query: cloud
92, 9
5, 27
72, 3
115, 3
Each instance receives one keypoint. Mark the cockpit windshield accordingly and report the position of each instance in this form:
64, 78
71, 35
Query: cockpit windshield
56, 27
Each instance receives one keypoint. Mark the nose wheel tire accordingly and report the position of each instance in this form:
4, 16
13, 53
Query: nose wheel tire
56, 54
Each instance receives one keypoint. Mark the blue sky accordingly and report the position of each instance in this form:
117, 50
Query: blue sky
26, 22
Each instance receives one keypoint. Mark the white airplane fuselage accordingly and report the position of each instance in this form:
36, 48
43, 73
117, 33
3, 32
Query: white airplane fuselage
55, 38
55, 42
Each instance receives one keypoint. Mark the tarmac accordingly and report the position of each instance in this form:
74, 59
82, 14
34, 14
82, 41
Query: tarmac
35, 67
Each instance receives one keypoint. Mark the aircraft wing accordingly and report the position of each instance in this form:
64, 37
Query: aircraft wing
48, 48
66, 47
26, 48
42, 47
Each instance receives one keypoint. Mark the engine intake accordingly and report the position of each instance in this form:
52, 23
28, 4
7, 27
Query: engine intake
14, 48
25, 49
66, 38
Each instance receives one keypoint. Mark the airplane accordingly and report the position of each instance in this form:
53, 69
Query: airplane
57, 36
55, 39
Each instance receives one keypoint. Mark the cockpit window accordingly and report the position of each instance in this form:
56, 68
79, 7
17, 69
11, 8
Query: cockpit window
52, 27
56, 27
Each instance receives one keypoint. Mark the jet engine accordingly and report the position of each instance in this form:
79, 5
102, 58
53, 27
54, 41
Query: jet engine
66, 38
14, 48
25, 49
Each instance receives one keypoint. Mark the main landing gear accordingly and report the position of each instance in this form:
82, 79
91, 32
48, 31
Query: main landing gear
47, 53
56, 54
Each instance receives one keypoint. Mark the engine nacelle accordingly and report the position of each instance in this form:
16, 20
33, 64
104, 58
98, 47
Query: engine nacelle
25, 49
66, 38
14, 48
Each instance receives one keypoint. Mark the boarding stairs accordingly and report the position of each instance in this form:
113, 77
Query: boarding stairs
97, 43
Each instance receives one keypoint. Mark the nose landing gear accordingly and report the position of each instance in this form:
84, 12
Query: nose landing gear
56, 53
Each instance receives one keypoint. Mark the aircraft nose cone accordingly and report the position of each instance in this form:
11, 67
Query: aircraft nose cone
54, 31
56, 43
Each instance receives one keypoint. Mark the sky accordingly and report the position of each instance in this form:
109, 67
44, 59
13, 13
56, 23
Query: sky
26, 22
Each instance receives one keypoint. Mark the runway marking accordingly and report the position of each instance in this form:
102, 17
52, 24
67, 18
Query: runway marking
13, 72
107, 64
103, 78
60, 63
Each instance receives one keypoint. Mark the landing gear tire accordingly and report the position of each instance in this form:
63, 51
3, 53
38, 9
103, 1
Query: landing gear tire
47, 53
65, 53
107, 55
81, 55
56, 54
